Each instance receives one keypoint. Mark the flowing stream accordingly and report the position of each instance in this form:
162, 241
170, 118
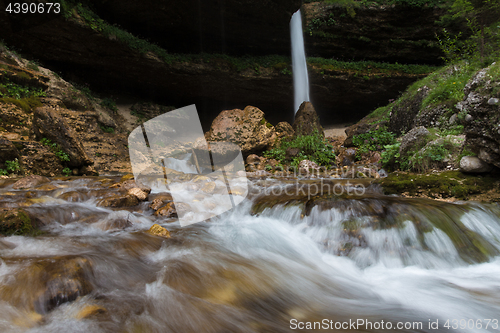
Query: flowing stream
299, 65
276, 261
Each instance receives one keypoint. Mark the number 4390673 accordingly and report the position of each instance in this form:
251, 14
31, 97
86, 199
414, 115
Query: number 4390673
33, 8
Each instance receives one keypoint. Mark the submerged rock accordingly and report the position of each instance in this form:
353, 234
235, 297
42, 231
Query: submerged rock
30, 182
17, 222
160, 200
119, 200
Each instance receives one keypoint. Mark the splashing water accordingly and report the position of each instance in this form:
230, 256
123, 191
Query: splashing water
300, 78
374, 258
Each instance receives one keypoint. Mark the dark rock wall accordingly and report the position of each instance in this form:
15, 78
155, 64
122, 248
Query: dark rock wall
381, 33
83, 55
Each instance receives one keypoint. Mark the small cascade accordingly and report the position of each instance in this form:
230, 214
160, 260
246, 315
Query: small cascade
300, 77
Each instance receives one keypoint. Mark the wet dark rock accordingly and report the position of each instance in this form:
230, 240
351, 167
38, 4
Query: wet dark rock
73, 196
67, 281
8, 152
168, 210
119, 200
307, 121
18, 222
49, 123
30, 182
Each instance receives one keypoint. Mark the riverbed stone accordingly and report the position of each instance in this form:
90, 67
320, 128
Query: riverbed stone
30, 181
119, 200
140, 194
158, 230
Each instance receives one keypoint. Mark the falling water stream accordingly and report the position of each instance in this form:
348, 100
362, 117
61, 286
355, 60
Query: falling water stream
299, 65
274, 259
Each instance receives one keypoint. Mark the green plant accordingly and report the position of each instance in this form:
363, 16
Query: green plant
107, 129
66, 171
110, 104
311, 147
12, 166
269, 167
4, 172
33, 65
425, 158
373, 140
56, 149
390, 156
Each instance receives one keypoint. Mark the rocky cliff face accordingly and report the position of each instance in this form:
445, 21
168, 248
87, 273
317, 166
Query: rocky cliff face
192, 26
79, 48
383, 33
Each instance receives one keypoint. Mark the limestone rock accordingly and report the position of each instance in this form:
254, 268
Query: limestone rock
141, 195
307, 121
48, 123
247, 128
284, 130
411, 139
482, 125
473, 164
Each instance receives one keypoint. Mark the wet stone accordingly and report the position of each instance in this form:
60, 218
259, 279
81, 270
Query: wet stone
119, 201
158, 230
30, 182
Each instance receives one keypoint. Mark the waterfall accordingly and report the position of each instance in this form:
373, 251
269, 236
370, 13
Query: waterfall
300, 78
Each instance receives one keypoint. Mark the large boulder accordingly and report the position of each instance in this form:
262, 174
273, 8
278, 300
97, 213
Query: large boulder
472, 164
413, 139
307, 121
48, 123
482, 120
247, 128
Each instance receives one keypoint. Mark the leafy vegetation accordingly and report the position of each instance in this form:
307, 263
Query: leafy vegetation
107, 129
10, 167
374, 140
109, 103
369, 67
66, 171
56, 149
25, 97
311, 147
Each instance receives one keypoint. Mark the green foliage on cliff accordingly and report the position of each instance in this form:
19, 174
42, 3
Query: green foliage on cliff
369, 67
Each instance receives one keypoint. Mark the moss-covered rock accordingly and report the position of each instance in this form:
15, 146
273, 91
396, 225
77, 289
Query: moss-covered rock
445, 184
17, 222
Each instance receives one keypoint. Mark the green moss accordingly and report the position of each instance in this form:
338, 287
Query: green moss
444, 184
17, 222
27, 104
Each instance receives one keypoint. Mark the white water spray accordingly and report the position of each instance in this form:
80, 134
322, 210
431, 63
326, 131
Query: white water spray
300, 78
